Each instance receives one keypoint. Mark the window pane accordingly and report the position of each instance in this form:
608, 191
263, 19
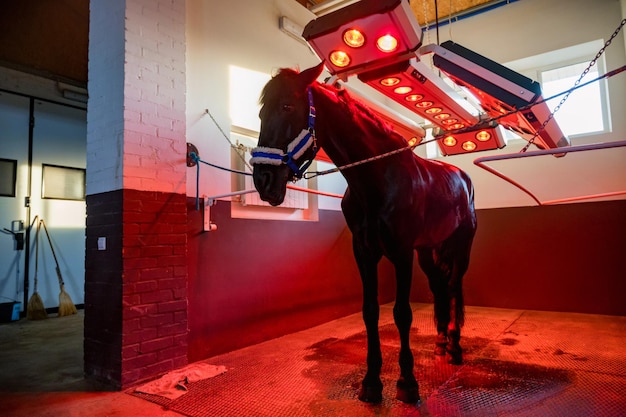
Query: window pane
582, 112
63, 183
245, 89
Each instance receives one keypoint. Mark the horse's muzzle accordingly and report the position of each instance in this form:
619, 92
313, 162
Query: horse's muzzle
267, 182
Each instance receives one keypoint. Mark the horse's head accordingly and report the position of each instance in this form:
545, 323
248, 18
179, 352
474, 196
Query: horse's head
287, 138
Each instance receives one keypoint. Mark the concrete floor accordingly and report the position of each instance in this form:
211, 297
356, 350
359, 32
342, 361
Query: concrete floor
518, 363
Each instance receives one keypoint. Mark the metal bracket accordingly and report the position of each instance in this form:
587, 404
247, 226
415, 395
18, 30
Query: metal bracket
208, 226
191, 161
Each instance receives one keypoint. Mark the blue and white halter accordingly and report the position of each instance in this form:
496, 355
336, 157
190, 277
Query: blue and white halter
295, 149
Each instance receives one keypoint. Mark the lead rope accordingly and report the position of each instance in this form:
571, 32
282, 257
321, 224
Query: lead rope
313, 174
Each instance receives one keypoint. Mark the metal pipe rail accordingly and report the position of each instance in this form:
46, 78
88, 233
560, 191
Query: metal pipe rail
481, 162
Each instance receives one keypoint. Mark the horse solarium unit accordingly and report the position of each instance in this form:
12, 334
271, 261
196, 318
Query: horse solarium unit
364, 35
483, 139
413, 85
500, 90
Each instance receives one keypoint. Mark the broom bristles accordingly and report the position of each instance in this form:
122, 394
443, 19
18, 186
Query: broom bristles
36, 309
66, 306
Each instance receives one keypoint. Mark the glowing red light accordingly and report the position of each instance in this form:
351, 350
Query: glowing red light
340, 58
387, 43
354, 38
483, 136
469, 146
434, 110
414, 97
390, 82
402, 90
449, 141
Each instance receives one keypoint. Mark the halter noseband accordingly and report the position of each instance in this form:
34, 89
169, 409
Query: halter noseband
295, 149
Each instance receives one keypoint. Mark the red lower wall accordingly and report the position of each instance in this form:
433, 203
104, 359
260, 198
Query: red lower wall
135, 289
253, 280
566, 257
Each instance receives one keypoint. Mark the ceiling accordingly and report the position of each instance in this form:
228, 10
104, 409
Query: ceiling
50, 38
426, 11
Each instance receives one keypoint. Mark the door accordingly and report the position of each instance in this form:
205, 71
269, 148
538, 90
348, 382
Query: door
51, 187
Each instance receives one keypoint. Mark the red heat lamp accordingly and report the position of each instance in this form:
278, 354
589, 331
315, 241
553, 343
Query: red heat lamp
482, 139
500, 91
412, 84
364, 35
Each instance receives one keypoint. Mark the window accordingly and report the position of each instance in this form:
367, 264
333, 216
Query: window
8, 173
582, 113
586, 109
63, 183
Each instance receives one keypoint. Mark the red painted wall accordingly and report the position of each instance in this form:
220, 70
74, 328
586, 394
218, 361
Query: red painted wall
566, 257
135, 290
253, 280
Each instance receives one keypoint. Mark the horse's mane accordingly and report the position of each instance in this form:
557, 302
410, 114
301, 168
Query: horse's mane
362, 110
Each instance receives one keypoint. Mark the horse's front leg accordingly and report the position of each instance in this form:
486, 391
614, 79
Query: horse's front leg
371, 386
407, 387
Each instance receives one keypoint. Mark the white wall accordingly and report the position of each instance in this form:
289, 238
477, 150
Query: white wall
136, 128
245, 33
532, 27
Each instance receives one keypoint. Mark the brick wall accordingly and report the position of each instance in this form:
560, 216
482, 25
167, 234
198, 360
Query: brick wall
154, 96
154, 297
136, 289
103, 288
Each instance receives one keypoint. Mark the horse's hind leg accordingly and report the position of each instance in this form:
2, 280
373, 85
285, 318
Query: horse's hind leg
457, 313
438, 282
459, 248
445, 268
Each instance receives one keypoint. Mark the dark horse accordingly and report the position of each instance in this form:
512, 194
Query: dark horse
393, 206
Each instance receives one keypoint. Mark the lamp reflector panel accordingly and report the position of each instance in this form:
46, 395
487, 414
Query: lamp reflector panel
413, 85
365, 34
500, 90
483, 139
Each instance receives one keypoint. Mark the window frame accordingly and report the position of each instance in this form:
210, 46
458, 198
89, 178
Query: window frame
534, 66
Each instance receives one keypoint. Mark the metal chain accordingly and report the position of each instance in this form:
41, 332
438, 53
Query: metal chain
309, 175
237, 150
426, 33
313, 174
566, 96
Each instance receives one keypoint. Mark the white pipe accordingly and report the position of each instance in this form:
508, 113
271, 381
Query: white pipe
480, 162
211, 199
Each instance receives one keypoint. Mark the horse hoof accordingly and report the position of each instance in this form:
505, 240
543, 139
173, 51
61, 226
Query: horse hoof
408, 395
455, 358
440, 350
371, 395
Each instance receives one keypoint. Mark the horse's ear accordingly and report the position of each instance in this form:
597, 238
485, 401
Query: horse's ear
308, 76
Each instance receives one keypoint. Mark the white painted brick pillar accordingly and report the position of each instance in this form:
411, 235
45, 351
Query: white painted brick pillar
136, 118
135, 290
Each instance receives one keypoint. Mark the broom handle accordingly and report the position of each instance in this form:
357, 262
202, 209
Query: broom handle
36, 253
59, 276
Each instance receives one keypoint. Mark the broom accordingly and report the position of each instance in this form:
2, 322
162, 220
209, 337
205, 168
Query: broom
36, 309
66, 306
